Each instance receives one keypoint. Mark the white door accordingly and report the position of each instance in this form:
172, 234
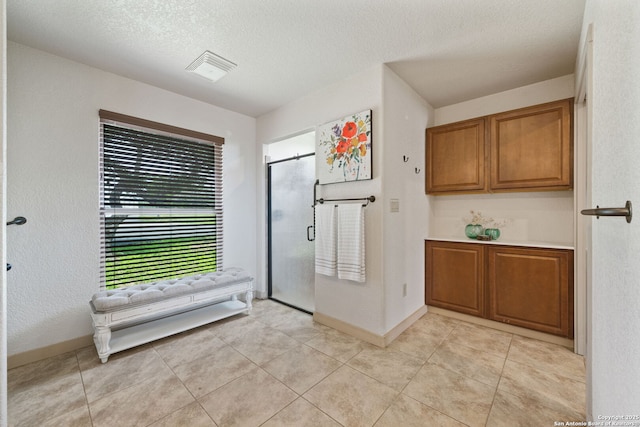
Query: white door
3, 219
613, 362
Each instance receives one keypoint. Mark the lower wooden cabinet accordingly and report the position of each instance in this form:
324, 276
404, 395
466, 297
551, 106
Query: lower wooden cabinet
521, 286
454, 276
532, 288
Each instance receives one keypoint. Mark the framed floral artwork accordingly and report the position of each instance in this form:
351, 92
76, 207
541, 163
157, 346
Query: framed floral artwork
343, 149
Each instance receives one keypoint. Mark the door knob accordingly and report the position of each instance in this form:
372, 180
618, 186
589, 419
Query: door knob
598, 212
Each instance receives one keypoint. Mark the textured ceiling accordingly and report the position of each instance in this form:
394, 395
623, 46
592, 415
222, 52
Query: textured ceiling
447, 50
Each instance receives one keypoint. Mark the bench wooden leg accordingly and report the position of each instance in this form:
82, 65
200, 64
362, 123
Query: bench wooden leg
101, 339
249, 297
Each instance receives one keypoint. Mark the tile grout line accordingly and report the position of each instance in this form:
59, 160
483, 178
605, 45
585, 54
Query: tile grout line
495, 393
84, 390
299, 396
196, 400
425, 363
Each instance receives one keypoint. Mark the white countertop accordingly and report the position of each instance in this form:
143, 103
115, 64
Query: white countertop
531, 244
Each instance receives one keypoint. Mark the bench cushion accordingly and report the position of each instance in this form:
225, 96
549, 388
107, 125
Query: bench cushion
118, 299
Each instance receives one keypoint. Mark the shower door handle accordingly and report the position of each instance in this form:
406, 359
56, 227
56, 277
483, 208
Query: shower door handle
311, 239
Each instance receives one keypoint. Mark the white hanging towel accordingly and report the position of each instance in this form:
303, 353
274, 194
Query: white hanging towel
326, 239
351, 242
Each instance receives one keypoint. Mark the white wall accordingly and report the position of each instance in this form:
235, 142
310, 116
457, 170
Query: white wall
52, 180
613, 365
537, 217
304, 143
394, 241
358, 304
406, 116
536, 93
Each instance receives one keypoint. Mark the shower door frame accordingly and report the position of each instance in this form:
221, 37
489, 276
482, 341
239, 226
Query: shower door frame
269, 231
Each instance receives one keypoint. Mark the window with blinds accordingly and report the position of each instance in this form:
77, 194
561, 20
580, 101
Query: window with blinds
160, 201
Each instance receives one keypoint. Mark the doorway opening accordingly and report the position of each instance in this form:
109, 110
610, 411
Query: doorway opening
290, 224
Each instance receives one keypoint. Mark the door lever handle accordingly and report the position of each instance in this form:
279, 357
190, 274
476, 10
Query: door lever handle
598, 212
19, 220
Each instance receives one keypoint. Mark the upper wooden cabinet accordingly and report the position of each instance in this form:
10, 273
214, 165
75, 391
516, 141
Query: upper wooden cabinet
456, 157
529, 149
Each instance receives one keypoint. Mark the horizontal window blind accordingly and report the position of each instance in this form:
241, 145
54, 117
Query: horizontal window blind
160, 205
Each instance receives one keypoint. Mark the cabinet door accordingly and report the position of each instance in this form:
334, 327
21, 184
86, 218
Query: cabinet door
455, 158
454, 276
531, 148
532, 288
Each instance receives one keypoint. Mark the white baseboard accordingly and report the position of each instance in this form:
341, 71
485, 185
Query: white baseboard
402, 326
368, 336
349, 329
261, 295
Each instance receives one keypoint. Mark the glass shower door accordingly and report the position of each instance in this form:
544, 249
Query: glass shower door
291, 246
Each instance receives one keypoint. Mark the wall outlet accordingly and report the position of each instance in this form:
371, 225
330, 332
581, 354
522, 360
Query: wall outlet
404, 290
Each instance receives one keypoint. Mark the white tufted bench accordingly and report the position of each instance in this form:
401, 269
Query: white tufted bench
128, 317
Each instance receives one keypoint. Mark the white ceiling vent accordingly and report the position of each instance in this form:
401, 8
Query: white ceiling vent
211, 66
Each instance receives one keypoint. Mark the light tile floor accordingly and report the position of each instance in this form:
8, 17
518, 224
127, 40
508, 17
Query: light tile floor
277, 367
